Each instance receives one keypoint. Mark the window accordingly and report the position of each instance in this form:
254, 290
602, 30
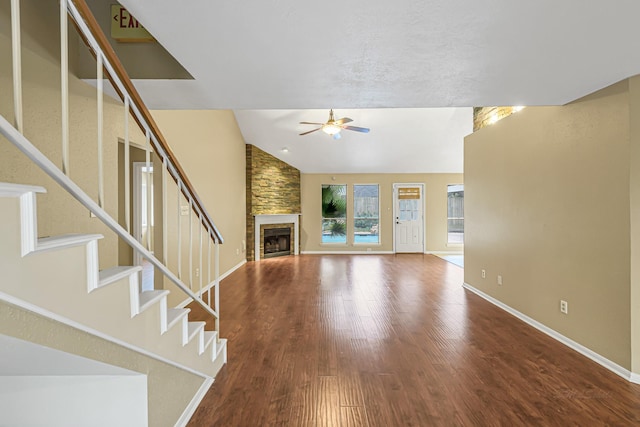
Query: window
409, 204
366, 211
455, 213
334, 214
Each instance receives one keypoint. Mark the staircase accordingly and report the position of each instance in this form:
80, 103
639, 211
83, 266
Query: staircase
59, 276
52, 291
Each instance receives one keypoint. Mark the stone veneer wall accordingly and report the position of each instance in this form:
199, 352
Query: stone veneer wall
273, 187
485, 116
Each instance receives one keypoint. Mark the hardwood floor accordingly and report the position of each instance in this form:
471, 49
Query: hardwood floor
393, 340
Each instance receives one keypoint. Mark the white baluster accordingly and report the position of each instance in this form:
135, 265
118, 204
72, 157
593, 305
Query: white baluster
100, 96
190, 243
149, 176
179, 233
64, 84
216, 286
209, 266
200, 268
127, 169
16, 49
165, 219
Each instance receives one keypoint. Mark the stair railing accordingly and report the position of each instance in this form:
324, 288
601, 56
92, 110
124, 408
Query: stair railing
106, 60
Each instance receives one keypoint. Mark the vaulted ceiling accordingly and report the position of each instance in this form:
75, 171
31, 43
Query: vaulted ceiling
389, 65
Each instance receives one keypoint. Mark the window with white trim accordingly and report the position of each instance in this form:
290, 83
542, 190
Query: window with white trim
334, 214
366, 213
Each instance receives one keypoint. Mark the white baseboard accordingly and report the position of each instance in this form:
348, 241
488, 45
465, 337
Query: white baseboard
195, 402
223, 276
444, 253
347, 252
232, 269
601, 360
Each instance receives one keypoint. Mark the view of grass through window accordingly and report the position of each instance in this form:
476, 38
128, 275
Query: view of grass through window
366, 210
334, 214
455, 213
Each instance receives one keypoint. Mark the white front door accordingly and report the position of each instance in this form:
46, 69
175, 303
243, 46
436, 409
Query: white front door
408, 217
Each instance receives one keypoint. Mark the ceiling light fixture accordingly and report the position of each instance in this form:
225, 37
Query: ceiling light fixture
285, 150
331, 129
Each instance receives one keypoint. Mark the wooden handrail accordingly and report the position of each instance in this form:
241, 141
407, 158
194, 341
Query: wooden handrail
187, 188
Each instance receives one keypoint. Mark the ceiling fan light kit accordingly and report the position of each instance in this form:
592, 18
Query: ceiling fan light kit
333, 127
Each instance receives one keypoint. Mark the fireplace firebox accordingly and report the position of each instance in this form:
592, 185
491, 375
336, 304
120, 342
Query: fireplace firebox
277, 242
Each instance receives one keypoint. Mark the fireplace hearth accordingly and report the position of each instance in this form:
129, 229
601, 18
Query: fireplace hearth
277, 242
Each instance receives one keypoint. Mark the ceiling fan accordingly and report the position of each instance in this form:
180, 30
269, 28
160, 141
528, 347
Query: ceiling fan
333, 127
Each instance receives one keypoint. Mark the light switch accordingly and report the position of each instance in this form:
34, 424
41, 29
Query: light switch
184, 210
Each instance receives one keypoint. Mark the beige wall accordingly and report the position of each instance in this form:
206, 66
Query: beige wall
435, 213
634, 184
211, 150
547, 207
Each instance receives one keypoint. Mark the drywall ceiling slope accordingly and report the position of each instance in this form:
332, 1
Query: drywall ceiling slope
401, 140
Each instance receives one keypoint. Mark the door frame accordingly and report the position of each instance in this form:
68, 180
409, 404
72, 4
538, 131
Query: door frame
136, 207
423, 198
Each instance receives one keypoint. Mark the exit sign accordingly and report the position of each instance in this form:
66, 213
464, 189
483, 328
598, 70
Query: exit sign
126, 28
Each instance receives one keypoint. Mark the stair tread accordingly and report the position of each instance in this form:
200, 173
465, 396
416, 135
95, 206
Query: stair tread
193, 329
8, 189
148, 298
175, 314
65, 240
114, 274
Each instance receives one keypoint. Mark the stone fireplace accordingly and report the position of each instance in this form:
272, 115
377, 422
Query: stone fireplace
273, 233
273, 201
276, 240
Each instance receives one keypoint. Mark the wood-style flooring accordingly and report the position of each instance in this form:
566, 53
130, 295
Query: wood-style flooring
393, 340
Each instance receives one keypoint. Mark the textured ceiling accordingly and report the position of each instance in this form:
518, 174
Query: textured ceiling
286, 54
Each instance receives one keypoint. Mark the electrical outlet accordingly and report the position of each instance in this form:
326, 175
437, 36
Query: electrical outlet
484, 274
197, 272
564, 307
499, 280
237, 251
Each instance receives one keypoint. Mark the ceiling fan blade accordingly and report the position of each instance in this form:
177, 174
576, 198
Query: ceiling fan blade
337, 135
356, 128
311, 123
343, 121
307, 133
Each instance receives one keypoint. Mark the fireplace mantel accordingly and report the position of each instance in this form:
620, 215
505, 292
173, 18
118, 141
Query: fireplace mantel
276, 219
